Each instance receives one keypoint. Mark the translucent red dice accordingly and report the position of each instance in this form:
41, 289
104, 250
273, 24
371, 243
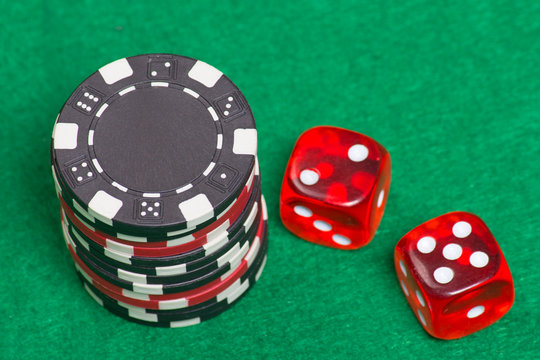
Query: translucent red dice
454, 275
335, 187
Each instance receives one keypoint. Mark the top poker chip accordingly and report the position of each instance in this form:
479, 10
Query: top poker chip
153, 144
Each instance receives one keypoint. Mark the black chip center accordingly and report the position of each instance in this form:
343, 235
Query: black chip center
155, 139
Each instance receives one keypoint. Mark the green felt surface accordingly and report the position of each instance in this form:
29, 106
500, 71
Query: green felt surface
450, 88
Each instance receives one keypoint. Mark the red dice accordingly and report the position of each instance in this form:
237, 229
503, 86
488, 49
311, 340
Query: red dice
335, 187
454, 275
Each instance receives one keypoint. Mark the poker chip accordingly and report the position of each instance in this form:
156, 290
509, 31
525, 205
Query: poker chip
154, 160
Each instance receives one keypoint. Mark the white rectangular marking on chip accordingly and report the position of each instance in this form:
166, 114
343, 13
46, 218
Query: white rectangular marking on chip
235, 295
83, 212
64, 218
184, 188
234, 266
171, 270
135, 309
180, 232
80, 240
180, 241
219, 141
148, 289
56, 184
133, 295
257, 170
191, 92
136, 312
144, 317
65, 242
116, 246
215, 244
205, 74
236, 260
58, 190
67, 237
116, 71
102, 109
245, 142
243, 251
65, 136
97, 166
84, 274
159, 84
115, 256
251, 217
65, 226
234, 286
258, 275
196, 210
184, 323
110, 252
209, 168
84, 222
91, 137
228, 255
139, 239
218, 232
151, 195
250, 181
250, 257
129, 276
126, 90
264, 210
213, 113
93, 295
119, 187
173, 304
131, 307
105, 205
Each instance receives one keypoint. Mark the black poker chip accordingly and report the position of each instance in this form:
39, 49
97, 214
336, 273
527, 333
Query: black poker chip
154, 159
150, 129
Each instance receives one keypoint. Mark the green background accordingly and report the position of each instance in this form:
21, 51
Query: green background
450, 88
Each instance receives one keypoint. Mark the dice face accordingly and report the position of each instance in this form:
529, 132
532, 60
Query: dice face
335, 187
454, 275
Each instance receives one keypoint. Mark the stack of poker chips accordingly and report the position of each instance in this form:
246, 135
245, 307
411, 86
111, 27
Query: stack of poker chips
154, 161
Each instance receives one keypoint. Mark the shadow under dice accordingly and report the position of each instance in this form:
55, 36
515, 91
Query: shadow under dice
335, 187
454, 275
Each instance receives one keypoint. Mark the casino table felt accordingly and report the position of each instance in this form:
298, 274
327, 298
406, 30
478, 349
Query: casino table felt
452, 90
